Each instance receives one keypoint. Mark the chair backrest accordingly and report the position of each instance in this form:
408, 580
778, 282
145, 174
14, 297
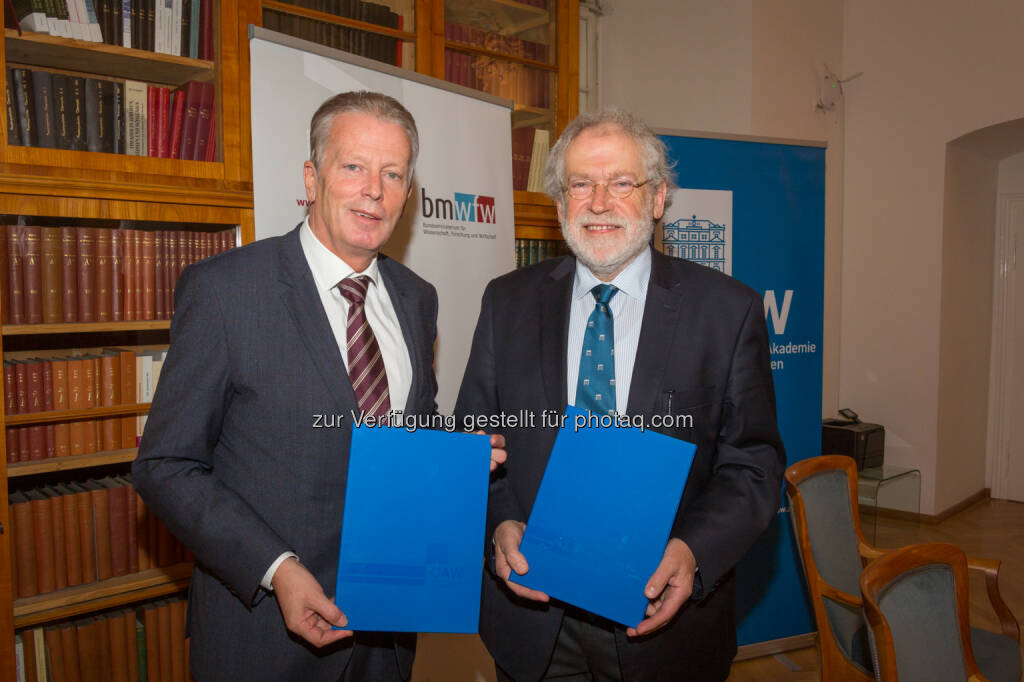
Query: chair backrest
915, 601
823, 494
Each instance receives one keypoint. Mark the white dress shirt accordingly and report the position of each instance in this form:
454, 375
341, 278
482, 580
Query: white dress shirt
627, 314
328, 270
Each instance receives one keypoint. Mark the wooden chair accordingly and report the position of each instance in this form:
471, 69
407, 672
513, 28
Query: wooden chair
915, 601
823, 494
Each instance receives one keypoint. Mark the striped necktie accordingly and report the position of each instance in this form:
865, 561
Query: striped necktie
365, 363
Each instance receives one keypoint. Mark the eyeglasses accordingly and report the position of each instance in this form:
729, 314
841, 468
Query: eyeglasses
620, 188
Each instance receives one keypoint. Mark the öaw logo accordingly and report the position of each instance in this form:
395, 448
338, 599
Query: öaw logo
470, 208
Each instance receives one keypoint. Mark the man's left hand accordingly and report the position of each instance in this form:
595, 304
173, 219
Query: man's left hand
669, 587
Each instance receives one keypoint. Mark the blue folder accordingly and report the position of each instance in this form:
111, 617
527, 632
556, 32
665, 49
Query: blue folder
413, 529
602, 516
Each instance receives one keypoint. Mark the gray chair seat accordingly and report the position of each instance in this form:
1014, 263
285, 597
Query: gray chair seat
998, 656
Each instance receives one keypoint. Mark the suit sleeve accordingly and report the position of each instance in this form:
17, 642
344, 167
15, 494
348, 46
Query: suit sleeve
742, 496
478, 396
176, 469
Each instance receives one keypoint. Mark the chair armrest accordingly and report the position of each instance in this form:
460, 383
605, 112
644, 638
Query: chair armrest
868, 552
990, 569
840, 596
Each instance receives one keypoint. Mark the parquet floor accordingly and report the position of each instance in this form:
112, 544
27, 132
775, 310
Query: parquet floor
991, 529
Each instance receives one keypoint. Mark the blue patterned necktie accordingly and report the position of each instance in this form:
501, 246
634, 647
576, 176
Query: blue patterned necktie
595, 388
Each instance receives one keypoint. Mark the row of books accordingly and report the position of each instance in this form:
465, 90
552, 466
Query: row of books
530, 147
177, 27
79, 533
60, 111
533, 251
523, 84
364, 43
146, 644
97, 274
116, 377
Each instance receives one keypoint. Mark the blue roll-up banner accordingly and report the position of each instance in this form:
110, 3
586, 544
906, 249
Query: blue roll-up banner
755, 209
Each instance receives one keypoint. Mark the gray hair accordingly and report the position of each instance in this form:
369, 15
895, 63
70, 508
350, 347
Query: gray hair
377, 104
652, 150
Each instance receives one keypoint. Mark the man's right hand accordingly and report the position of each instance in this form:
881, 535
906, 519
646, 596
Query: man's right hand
306, 610
507, 558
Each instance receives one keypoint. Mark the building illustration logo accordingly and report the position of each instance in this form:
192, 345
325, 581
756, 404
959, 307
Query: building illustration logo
698, 227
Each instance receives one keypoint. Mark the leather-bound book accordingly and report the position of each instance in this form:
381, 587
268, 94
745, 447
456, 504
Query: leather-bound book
48, 406
179, 673
10, 389
100, 497
92, 373
42, 108
69, 645
69, 273
11, 441
24, 447
117, 500
24, 545
32, 266
160, 274
131, 639
77, 114
72, 528
177, 122
144, 557
34, 378
204, 125
86, 530
104, 275
61, 430
128, 274
148, 276
59, 534
54, 653
21, 383
163, 620
15, 275
53, 275
90, 657
190, 121
117, 275
118, 648
33, 671
103, 635
152, 627
110, 394
77, 400
86, 275
140, 281
42, 536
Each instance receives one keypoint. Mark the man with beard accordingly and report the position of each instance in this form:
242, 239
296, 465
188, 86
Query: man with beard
674, 338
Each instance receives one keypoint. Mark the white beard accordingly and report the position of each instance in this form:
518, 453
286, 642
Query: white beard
611, 264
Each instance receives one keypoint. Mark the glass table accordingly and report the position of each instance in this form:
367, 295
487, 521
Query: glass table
887, 487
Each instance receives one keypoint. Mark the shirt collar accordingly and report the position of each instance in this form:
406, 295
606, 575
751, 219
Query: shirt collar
632, 281
327, 268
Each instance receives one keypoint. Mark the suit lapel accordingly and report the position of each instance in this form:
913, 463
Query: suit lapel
405, 309
661, 317
555, 301
300, 298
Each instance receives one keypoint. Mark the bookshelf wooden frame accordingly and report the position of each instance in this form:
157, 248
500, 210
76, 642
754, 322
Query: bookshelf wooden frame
71, 463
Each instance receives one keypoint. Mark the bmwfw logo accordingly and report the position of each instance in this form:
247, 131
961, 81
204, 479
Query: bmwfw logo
470, 208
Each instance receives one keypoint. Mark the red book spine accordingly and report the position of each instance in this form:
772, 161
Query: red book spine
140, 285
86, 532
205, 119
58, 531
118, 508
69, 273
24, 545
86, 275
42, 529
21, 381
101, 520
177, 119
148, 276
33, 269
211, 145
133, 529
190, 123
206, 31
48, 406
53, 286
160, 278
117, 275
10, 389
72, 543
129, 274
162, 123
61, 430
104, 274
15, 276
11, 444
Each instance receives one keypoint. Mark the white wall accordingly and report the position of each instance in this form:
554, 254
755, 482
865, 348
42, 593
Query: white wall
932, 72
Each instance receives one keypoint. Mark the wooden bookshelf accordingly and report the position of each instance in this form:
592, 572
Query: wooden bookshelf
103, 594
83, 327
64, 54
71, 415
71, 463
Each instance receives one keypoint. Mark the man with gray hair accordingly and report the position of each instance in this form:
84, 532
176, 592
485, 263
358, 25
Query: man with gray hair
266, 340
619, 327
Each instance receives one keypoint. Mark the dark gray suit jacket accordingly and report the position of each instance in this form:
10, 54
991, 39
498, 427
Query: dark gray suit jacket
231, 460
705, 344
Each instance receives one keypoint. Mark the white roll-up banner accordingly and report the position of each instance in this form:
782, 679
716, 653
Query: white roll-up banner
458, 229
